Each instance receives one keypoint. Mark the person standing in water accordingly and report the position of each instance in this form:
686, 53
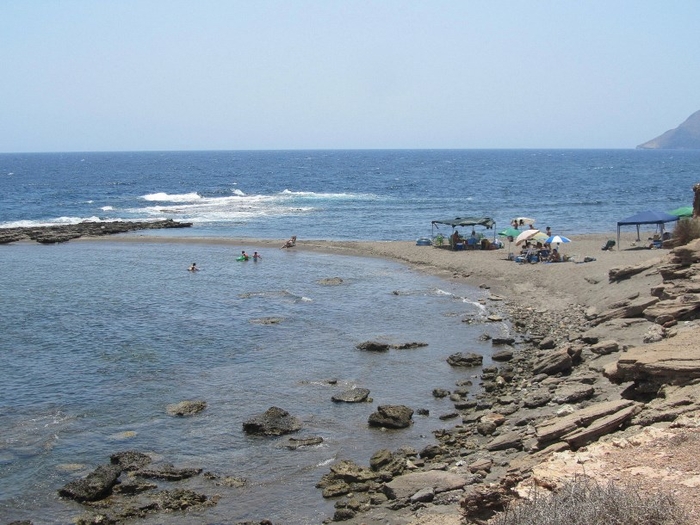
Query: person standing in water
257, 257
244, 255
193, 268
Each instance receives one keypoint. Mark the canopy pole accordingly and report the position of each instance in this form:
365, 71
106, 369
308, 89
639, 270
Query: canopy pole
618, 236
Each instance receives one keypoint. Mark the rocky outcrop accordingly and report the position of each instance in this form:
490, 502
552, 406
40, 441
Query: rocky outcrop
273, 422
391, 416
95, 486
186, 408
465, 360
354, 395
64, 233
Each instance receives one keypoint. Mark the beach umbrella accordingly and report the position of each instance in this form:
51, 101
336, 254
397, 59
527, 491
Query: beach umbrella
522, 220
510, 232
683, 211
557, 239
525, 236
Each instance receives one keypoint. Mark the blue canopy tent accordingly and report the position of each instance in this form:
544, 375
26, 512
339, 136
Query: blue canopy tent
645, 217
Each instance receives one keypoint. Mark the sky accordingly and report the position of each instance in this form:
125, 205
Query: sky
154, 75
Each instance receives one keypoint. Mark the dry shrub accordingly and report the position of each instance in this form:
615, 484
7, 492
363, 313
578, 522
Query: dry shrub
584, 501
685, 231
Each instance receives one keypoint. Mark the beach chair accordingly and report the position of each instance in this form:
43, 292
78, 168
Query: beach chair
472, 243
608, 245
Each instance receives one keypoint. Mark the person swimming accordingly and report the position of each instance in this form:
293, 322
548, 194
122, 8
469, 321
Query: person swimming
193, 268
244, 255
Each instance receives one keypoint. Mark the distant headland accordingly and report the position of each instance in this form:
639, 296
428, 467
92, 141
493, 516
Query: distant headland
685, 136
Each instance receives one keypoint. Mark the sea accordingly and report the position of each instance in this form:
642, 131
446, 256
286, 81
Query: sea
99, 337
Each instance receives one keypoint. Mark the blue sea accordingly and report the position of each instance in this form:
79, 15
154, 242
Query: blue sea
99, 337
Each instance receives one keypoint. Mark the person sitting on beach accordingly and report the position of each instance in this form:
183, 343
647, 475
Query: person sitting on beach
290, 243
193, 268
455, 239
244, 255
555, 256
257, 257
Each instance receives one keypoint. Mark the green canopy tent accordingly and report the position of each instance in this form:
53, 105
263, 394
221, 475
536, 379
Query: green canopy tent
682, 212
486, 222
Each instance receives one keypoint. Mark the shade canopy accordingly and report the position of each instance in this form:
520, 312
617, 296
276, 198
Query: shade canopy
487, 222
645, 217
683, 211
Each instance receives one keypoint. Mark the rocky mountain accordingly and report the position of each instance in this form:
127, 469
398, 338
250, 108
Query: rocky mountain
685, 136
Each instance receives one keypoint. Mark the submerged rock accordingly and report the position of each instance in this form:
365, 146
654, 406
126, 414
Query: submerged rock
186, 408
354, 395
95, 486
273, 422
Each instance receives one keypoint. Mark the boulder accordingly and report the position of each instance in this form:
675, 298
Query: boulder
465, 360
273, 422
502, 355
404, 487
354, 395
634, 308
506, 441
95, 486
686, 306
553, 363
186, 408
373, 346
605, 347
391, 416
295, 443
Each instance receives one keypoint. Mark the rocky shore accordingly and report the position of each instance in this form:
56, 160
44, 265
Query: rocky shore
67, 232
596, 372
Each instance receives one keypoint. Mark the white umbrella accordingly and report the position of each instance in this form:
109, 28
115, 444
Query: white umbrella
526, 235
557, 239
522, 220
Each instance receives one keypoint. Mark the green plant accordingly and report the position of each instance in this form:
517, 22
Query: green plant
685, 231
584, 501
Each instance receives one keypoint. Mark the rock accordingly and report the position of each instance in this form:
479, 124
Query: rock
186, 408
618, 274
424, 495
131, 488
167, 472
633, 308
502, 355
572, 394
373, 346
391, 416
440, 393
465, 360
66, 232
354, 395
483, 464
409, 345
536, 399
330, 281
684, 307
605, 347
547, 343
180, 499
130, 460
95, 486
274, 422
404, 487
295, 443
506, 441
498, 341
554, 363
600, 427
553, 429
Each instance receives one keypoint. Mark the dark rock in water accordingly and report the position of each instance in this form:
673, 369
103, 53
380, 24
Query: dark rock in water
23, 522
467, 360
266, 320
354, 395
95, 486
168, 472
66, 232
130, 460
440, 392
331, 281
295, 443
131, 488
498, 341
406, 346
274, 422
373, 346
186, 408
391, 416
180, 499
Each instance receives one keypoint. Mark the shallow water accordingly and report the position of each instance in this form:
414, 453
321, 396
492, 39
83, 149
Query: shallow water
99, 337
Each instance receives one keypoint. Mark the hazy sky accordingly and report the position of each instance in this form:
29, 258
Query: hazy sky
98, 75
